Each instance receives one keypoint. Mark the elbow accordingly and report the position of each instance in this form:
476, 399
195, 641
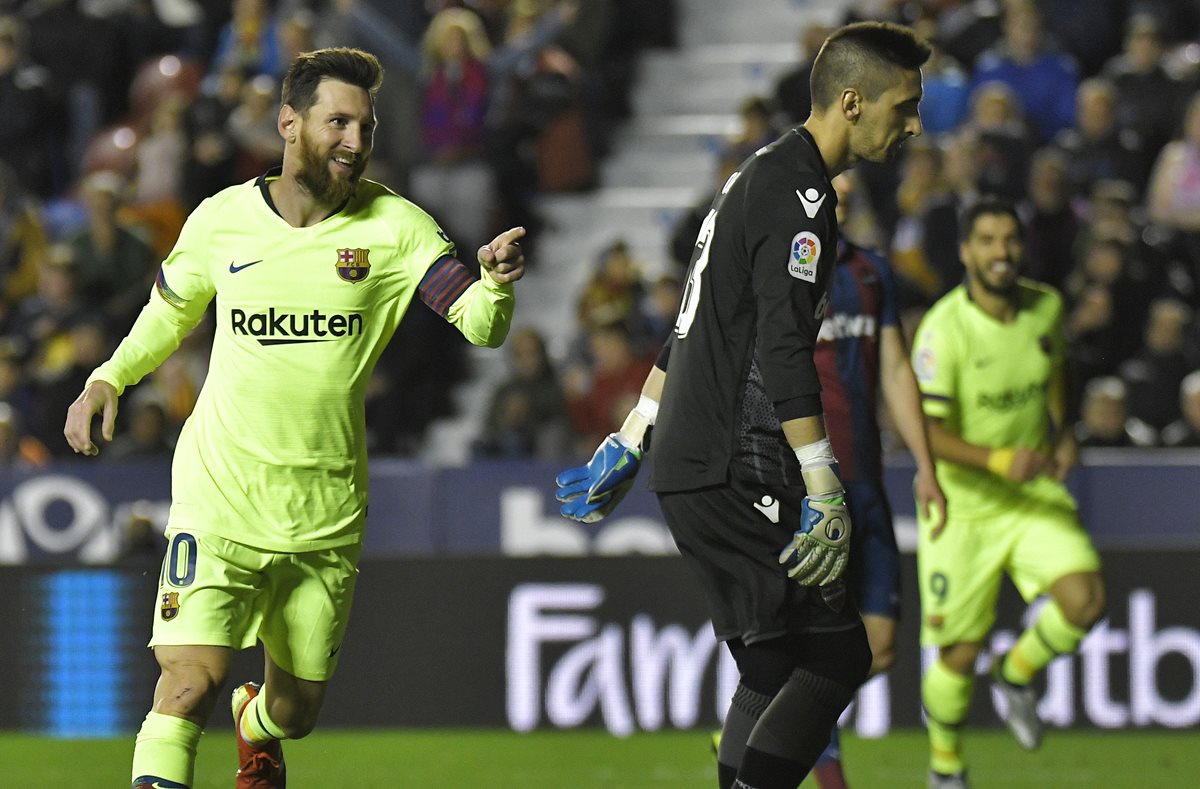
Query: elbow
493, 340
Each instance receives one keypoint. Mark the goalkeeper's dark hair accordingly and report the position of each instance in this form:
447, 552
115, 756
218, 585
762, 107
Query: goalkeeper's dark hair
864, 56
345, 64
989, 205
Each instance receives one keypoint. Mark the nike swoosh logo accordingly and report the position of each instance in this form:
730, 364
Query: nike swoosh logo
811, 199
235, 269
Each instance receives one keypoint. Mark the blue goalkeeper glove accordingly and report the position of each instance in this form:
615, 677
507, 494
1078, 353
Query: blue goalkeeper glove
820, 548
590, 492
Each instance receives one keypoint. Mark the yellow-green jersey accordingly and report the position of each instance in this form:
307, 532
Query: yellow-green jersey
274, 453
989, 382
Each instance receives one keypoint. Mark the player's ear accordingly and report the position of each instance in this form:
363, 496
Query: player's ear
851, 104
287, 123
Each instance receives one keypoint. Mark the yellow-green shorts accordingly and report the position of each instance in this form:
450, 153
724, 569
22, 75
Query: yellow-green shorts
215, 592
1036, 543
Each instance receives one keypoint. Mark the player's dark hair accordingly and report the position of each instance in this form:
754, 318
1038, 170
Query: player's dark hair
986, 206
344, 64
865, 56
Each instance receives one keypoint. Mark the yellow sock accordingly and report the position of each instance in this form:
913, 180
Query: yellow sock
256, 723
1049, 636
947, 697
165, 753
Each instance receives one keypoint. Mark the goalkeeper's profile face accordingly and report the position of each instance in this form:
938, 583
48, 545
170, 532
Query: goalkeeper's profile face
992, 252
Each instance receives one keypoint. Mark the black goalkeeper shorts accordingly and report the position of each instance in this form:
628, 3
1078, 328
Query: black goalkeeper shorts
731, 536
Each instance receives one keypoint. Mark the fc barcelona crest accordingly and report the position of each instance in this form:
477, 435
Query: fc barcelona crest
352, 264
170, 606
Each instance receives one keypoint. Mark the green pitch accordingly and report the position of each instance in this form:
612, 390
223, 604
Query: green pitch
439, 759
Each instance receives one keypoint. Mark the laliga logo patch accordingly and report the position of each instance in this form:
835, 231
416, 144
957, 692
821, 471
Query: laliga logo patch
806, 250
926, 365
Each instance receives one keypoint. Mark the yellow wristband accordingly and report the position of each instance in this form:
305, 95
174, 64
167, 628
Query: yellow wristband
1000, 461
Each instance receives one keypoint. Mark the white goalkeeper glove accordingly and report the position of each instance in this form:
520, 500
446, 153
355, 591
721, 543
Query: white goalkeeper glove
820, 549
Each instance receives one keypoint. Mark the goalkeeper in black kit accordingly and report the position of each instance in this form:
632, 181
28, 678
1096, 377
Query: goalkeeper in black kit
741, 464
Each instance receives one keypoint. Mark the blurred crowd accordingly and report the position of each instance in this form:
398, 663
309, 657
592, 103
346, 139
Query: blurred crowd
1085, 113
117, 117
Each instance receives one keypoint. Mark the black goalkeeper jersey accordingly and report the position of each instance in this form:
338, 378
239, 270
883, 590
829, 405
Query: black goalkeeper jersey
740, 360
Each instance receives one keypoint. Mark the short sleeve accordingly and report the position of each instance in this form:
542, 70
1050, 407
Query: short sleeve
935, 363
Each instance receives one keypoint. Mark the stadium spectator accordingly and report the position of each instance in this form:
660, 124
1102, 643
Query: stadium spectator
687, 226
526, 417
211, 163
85, 88
250, 41
1185, 431
924, 250
252, 126
792, 95
1095, 147
1173, 197
1043, 77
1105, 262
115, 263
1148, 100
1097, 341
162, 153
455, 183
947, 92
756, 128
1005, 142
1105, 419
962, 164
1051, 225
23, 241
1161, 364
24, 112
613, 295
147, 436
18, 451
43, 321
660, 308
597, 394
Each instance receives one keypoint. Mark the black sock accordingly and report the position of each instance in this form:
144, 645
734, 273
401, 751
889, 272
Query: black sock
761, 770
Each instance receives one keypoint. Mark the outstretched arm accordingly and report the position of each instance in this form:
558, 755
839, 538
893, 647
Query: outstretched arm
483, 312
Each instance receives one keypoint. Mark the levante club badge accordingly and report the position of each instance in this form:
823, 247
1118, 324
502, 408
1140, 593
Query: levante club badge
170, 606
352, 264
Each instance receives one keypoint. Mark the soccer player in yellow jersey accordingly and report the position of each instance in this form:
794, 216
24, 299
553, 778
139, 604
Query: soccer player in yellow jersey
989, 359
312, 267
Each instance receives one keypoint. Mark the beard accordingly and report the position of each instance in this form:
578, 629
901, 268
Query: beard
1004, 286
316, 176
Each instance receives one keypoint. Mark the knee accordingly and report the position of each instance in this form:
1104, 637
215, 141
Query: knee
961, 658
296, 717
1083, 602
188, 689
